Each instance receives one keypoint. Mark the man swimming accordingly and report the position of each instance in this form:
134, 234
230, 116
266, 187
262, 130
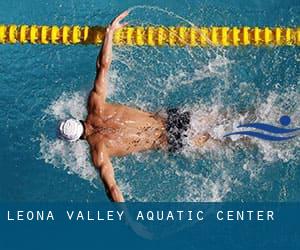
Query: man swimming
117, 130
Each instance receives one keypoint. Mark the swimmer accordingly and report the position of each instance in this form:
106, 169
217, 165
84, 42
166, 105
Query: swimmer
114, 130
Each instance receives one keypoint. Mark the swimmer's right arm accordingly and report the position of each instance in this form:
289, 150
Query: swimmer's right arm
103, 164
105, 56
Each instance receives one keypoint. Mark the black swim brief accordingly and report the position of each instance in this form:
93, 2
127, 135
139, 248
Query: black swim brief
177, 125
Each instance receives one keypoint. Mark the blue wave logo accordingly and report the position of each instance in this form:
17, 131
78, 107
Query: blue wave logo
279, 133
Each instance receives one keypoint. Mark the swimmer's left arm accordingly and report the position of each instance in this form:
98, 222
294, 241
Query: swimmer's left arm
105, 56
103, 164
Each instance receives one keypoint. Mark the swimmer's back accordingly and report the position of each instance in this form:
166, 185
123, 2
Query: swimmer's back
126, 130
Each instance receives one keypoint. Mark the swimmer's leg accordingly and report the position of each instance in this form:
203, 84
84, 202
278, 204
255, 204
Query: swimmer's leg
200, 140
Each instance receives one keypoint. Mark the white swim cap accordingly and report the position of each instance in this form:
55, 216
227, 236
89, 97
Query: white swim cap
70, 130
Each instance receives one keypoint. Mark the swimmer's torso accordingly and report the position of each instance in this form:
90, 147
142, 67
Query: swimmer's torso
124, 130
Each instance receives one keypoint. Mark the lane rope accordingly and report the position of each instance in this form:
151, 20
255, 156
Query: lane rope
152, 35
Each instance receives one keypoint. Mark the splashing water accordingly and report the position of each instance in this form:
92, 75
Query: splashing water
73, 157
208, 83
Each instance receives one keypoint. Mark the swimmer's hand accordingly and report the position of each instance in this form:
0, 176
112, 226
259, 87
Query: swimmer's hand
115, 24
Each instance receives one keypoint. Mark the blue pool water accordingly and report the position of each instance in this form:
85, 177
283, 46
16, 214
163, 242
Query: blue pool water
42, 84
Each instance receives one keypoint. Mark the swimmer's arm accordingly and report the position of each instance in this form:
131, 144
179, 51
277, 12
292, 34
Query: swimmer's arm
105, 56
103, 164
103, 64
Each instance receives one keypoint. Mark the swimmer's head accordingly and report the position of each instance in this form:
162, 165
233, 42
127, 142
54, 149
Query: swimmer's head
70, 130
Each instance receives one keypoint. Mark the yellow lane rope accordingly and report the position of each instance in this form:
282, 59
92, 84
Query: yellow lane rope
152, 35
